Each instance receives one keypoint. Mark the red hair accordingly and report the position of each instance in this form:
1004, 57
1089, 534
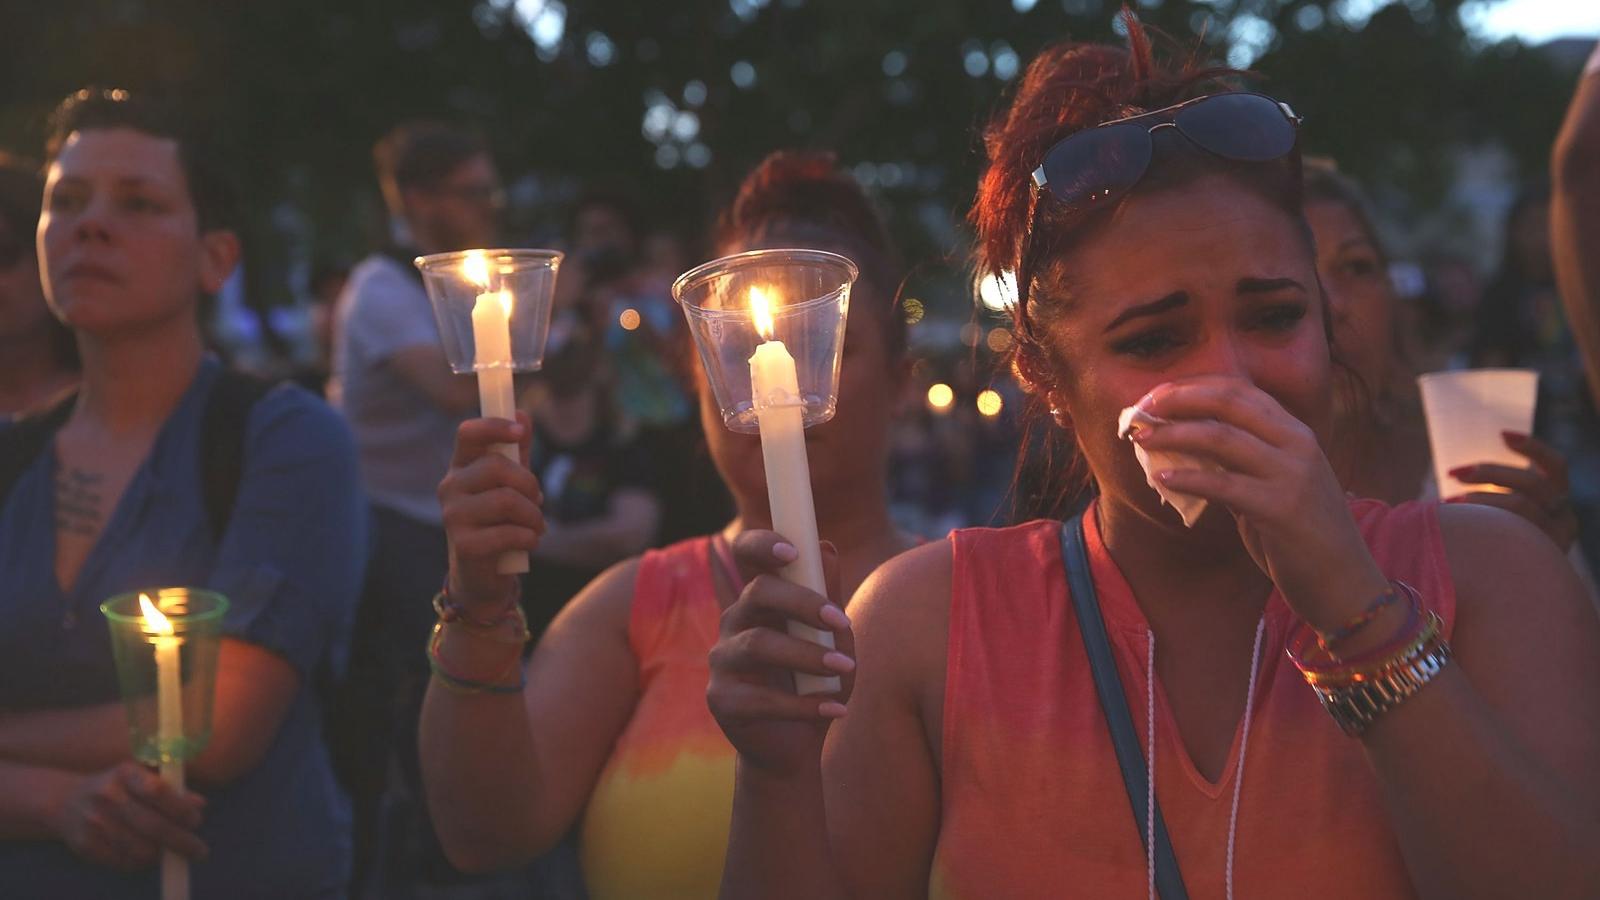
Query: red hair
800, 198
1071, 87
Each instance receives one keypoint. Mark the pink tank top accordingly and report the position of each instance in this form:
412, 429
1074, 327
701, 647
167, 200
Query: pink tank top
1033, 805
657, 822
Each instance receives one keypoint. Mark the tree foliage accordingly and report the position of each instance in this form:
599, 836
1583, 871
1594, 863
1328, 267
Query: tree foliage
674, 101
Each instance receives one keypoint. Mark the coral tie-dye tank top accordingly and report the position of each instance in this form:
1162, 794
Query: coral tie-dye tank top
657, 823
1033, 805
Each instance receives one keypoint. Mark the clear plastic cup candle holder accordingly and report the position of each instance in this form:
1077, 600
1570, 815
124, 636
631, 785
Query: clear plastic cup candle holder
492, 306
185, 635
806, 296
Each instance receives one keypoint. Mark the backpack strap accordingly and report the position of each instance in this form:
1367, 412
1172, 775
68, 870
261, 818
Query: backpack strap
1114, 704
26, 437
222, 443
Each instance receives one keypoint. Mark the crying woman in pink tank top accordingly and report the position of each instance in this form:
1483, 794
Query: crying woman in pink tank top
1151, 217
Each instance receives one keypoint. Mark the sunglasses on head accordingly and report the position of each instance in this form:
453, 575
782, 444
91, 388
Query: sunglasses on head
1093, 166
1106, 161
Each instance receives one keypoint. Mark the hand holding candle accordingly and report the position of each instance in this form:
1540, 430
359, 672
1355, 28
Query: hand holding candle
164, 641
769, 326
775, 391
493, 311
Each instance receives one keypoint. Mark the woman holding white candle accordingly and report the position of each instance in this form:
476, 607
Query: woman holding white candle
1153, 218
611, 726
129, 485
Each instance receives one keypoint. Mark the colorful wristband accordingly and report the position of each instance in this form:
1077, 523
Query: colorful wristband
451, 611
1326, 640
1302, 639
449, 679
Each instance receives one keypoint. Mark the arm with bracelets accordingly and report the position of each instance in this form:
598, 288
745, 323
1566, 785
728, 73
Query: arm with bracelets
510, 750
1488, 754
1484, 744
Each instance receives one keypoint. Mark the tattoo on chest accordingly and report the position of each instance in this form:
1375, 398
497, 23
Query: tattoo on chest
80, 502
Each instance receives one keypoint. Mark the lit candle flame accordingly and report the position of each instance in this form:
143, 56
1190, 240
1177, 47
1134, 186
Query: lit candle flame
155, 622
476, 268
761, 311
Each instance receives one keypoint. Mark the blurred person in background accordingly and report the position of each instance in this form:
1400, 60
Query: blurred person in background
622, 288
1440, 319
1575, 244
1381, 446
599, 506
393, 384
1383, 439
607, 728
1575, 216
164, 469
40, 355
326, 284
1522, 324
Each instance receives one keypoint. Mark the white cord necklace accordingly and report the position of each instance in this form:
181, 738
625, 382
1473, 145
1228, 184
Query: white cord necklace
1150, 757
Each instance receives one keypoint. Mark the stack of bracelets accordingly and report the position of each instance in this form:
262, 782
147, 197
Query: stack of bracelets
510, 627
1356, 690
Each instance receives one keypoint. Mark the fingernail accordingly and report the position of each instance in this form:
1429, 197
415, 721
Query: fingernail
1461, 471
838, 662
1140, 435
834, 617
830, 709
1515, 437
828, 547
784, 551
1164, 476
516, 429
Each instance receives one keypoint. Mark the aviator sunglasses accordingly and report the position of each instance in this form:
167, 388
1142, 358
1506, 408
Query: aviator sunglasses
1090, 167
1109, 159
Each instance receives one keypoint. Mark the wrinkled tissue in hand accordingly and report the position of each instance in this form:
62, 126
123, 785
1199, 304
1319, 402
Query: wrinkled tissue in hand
1189, 507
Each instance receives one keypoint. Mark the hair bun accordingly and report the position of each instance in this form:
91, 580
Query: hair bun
804, 186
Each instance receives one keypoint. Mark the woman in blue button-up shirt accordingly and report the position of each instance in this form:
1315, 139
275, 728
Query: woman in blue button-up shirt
132, 233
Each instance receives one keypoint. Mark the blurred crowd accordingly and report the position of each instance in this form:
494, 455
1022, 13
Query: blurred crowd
618, 435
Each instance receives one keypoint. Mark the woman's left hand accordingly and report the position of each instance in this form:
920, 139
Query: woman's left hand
1539, 494
1289, 507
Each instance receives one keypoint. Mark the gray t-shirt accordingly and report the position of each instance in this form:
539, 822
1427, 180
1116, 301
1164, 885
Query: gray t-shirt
403, 440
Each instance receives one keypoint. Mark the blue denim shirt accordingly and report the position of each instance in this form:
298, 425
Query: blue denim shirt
290, 563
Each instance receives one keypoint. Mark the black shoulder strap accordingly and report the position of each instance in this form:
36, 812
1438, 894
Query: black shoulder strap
26, 437
1114, 703
222, 443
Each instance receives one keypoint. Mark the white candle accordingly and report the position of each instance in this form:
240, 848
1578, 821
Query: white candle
775, 391
169, 732
491, 345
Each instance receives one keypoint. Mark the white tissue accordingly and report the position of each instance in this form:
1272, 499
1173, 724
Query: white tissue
1189, 507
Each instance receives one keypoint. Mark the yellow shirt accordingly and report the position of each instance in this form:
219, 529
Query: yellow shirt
657, 822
